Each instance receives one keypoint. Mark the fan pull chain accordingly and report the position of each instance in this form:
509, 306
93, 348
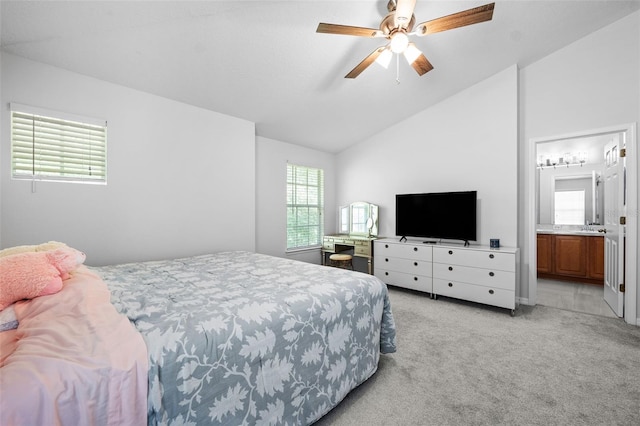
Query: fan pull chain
397, 69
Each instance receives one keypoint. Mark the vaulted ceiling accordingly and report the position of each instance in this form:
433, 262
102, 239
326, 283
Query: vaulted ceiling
263, 60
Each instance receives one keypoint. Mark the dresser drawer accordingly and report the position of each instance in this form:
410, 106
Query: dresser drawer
362, 248
489, 277
475, 258
409, 266
475, 293
401, 279
404, 250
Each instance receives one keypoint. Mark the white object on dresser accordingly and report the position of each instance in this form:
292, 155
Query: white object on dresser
477, 273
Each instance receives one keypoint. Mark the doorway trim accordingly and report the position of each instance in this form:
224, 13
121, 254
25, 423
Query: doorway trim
631, 250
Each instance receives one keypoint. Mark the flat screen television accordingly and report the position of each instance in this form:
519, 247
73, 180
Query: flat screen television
443, 215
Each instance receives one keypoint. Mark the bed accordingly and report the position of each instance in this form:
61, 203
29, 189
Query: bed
244, 338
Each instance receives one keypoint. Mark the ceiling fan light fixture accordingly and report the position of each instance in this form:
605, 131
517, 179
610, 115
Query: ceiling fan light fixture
411, 53
398, 25
399, 42
384, 58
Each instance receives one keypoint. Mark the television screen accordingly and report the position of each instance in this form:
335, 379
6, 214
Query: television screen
445, 215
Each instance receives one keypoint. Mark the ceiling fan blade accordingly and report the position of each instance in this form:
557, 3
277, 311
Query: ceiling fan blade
456, 20
404, 12
348, 30
422, 65
365, 63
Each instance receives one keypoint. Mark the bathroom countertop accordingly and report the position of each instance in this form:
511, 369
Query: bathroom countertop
593, 233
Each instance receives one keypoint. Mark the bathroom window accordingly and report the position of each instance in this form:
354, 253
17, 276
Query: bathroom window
569, 208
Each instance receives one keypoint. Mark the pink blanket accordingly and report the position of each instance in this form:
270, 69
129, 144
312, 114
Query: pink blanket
73, 360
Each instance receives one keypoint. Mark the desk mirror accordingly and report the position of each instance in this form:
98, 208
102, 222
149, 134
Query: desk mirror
359, 218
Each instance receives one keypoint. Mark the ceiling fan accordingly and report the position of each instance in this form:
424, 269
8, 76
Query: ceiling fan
398, 25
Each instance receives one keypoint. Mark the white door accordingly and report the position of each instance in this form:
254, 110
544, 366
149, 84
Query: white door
614, 208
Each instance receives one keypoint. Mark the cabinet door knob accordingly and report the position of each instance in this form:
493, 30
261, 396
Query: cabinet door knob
450, 284
451, 268
490, 291
450, 252
491, 274
491, 256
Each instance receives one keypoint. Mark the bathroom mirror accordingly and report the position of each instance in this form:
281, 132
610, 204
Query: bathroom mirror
570, 199
359, 218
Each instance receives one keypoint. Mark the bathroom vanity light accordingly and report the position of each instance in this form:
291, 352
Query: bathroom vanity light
565, 160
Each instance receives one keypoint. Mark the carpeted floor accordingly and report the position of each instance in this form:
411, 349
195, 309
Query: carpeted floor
465, 364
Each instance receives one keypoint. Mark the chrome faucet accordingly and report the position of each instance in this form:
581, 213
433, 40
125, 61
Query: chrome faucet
587, 227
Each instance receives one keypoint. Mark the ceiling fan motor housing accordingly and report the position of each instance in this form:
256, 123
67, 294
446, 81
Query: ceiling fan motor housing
388, 26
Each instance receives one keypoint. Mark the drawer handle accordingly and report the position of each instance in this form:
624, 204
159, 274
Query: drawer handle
415, 263
386, 273
490, 291
450, 284
386, 246
491, 256
386, 260
415, 278
450, 252
450, 268
491, 274
415, 249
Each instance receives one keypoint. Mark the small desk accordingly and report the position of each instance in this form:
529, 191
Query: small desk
358, 246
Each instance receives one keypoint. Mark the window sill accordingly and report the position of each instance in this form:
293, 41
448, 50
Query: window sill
303, 249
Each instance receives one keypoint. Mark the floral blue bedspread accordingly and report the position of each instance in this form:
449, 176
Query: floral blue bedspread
242, 338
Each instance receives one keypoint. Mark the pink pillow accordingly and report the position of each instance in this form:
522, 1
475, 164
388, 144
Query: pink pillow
33, 274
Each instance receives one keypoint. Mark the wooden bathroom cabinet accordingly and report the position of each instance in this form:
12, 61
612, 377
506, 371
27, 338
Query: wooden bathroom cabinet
571, 257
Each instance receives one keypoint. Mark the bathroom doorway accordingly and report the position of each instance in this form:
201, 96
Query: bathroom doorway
570, 206
569, 155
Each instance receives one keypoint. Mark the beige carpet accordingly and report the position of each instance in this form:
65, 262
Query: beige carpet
465, 364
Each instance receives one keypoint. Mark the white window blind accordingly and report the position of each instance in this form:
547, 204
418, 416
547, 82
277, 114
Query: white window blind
50, 148
305, 207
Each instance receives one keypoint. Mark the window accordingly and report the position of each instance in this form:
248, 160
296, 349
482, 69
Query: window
569, 208
305, 207
46, 146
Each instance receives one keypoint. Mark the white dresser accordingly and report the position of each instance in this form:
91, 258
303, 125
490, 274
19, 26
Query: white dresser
477, 273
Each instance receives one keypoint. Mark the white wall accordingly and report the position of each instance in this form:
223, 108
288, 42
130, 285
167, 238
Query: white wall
181, 180
590, 84
466, 142
271, 196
